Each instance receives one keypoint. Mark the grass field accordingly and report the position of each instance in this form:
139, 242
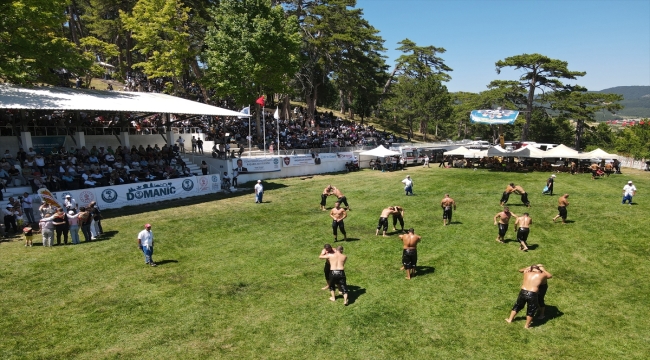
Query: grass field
239, 280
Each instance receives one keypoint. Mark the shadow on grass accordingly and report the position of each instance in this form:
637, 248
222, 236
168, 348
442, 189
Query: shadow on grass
551, 312
533, 246
348, 240
423, 270
354, 292
569, 222
163, 262
456, 222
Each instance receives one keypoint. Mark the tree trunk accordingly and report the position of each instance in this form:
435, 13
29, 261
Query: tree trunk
529, 106
578, 137
258, 126
342, 101
198, 73
350, 110
286, 108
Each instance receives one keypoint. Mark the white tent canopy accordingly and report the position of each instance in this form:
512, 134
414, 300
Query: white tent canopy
562, 151
380, 151
477, 154
529, 152
498, 151
58, 98
598, 154
462, 151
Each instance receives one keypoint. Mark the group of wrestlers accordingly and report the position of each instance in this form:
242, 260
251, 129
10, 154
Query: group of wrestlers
534, 284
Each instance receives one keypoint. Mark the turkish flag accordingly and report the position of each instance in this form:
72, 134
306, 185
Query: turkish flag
260, 101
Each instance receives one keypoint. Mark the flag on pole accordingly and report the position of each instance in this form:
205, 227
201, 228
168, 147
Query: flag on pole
246, 110
260, 101
276, 116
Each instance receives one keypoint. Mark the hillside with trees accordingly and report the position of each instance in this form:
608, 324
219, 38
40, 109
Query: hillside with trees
322, 53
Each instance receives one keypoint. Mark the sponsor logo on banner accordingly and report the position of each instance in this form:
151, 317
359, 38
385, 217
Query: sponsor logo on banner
204, 183
151, 190
86, 197
187, 185
109, 195
298, 160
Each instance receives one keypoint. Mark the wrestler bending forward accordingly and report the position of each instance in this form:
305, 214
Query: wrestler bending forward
337, 273
534, 276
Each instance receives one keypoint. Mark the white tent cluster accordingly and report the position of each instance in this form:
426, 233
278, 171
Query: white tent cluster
529, 151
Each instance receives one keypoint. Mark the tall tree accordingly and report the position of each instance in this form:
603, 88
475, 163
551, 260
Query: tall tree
252, 49
102, 20
581, 106
33, 45
338, 45
422, 72
161, 28
539, 72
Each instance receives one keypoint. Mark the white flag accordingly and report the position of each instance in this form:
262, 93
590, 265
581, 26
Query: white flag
276, 116
246, 110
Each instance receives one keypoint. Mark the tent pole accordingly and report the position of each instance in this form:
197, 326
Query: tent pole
249, 132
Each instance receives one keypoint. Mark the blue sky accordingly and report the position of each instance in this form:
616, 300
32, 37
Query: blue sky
609, 39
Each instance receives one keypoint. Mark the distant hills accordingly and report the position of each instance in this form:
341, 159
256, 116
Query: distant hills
636, 102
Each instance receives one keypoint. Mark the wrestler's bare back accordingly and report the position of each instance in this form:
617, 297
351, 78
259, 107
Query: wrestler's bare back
410, 240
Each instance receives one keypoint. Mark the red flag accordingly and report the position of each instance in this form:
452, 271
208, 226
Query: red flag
260, 101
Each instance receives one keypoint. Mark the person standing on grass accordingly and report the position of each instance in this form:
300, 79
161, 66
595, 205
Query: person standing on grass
73, 221
408, 185
549, 185
341, 198
28, 209
562, 203
398, 215
327, 249
410, 252
337, 273
426, 161
145, 244
502, 219
523, 222
84, 221
524, 196
534, 276
383, 220
629, 190
47, 230
259, 192
446, 204
338, 214
323, 197
506, 194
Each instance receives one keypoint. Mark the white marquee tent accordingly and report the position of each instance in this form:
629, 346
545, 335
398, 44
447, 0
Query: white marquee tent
562, 151
598, 154
379, 151
59, 98
459, 151
529, 152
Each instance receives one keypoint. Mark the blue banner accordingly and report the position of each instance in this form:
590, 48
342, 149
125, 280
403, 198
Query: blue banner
494, 117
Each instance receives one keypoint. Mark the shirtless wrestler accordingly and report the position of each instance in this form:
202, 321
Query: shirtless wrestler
524, 196
383, 219
562, 203
338, 214
327, 249
447, 204
337, 273
323, 197
534, 276
341, 198
506, 194
410, 252
523, 222
398, 216
502, 219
